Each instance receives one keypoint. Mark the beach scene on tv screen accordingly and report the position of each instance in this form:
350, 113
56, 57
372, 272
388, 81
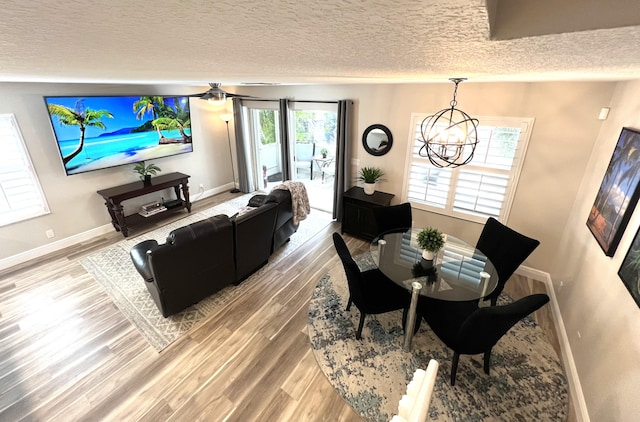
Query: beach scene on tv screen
99, 132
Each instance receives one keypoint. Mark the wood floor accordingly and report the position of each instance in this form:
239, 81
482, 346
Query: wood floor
67, 353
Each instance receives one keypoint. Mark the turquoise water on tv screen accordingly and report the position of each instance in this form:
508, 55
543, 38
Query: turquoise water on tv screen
114, 150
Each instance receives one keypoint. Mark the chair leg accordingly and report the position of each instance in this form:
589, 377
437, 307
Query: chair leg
487, 359
359, 333
349, 303
494, 301
454, 367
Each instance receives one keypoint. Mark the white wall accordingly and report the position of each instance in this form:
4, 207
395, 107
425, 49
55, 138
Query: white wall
593, 299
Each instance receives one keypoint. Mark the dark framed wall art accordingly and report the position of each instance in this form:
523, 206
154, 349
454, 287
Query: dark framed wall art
629, 271
618, 193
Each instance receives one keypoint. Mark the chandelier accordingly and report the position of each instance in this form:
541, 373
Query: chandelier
450, 136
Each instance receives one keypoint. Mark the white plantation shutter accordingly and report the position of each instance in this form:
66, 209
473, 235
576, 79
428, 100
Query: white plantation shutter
20, 194
483, 188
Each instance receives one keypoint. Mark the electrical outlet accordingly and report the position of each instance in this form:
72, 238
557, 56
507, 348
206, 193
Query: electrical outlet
202, 186
50, 234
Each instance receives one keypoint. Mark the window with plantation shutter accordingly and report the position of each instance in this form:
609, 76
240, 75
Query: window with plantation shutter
21, 196
483, 188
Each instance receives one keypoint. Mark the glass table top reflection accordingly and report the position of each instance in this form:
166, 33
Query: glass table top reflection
458, 272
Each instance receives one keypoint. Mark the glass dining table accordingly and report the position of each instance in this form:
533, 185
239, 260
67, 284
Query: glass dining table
458, 272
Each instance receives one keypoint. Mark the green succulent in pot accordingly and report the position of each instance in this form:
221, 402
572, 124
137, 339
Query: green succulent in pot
430, 239
370, 175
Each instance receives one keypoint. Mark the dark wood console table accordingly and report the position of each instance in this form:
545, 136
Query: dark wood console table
115, 195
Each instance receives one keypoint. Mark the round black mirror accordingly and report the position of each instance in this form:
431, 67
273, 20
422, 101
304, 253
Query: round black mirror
377, 139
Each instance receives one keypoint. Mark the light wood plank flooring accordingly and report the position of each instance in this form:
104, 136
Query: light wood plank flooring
67, 353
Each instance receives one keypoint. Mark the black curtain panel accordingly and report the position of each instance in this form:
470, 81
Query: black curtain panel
343, 155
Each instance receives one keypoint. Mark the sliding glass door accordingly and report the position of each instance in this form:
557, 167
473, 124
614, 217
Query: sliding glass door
311, 152
265, 144
313, 135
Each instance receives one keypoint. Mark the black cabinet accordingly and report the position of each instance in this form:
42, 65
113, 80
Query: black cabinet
357, 214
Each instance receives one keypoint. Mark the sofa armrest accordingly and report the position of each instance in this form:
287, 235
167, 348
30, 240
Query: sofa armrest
139, 257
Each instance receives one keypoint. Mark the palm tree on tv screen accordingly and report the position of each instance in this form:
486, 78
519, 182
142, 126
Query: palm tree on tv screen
149, 105
173, 123
81, 117
174, 116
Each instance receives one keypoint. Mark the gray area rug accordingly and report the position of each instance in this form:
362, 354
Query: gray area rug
113, 269
527, 382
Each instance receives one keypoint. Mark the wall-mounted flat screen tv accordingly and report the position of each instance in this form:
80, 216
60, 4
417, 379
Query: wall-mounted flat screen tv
98, 132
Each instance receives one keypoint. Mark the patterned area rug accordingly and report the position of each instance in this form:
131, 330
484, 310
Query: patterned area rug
526, 383
113, 269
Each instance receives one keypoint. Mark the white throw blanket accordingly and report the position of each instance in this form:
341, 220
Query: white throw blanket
299, 199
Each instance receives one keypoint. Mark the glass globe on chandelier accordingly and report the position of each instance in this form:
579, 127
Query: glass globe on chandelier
450, 136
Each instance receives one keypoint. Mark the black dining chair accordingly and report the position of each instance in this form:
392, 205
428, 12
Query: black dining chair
371, 291
507, 249
393, 218
469, 330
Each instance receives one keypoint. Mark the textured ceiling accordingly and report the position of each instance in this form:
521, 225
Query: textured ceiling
292, 41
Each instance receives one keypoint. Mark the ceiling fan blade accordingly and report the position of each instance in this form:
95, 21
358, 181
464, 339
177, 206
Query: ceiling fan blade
229, 94
218, 94
206, 95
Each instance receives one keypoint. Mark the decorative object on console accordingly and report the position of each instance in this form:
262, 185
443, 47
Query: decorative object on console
450, 136
324, 152
618, 193
94, 133
629, 271
215, 95
370, 176
377, 140
431, 240
152, 208
227, 117
145, 171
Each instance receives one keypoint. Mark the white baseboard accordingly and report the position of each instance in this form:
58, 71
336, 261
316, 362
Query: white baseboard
575, 388
87, 235
54, 246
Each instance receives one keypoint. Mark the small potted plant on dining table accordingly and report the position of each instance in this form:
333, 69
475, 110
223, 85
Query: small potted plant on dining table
430, 240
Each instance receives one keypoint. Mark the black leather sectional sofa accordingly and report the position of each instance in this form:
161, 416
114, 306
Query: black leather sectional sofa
203, 257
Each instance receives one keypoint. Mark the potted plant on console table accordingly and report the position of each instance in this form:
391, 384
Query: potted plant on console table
370, 176
145, 172
430, 240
